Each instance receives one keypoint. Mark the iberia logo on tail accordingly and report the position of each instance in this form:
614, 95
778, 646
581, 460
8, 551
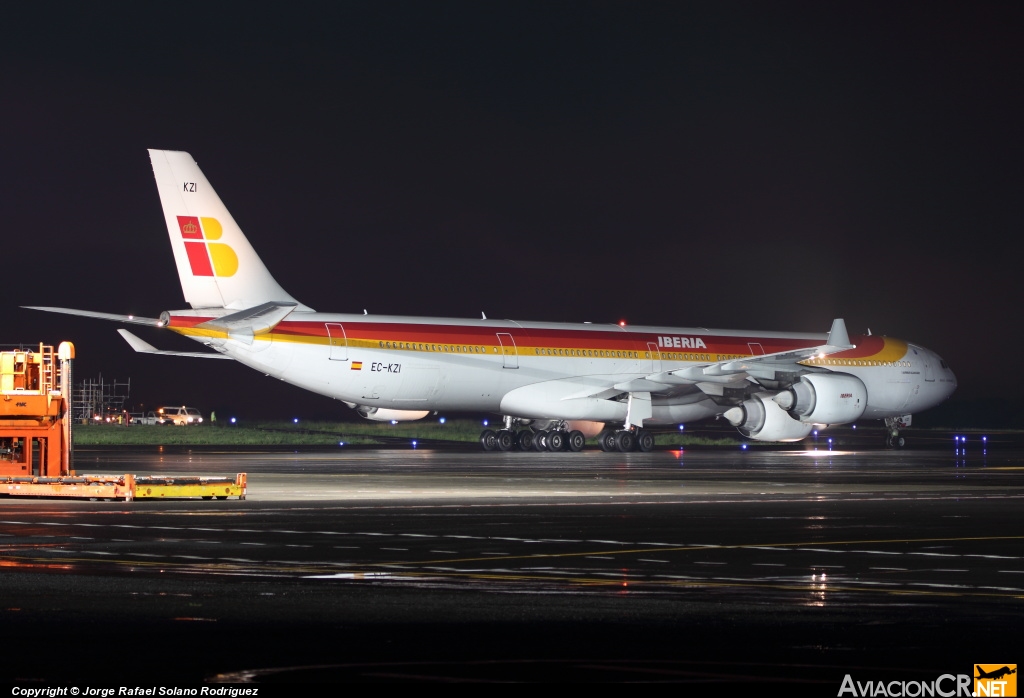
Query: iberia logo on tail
207, 258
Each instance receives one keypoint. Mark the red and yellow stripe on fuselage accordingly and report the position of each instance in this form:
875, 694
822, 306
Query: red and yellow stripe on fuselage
527, 341
870, 350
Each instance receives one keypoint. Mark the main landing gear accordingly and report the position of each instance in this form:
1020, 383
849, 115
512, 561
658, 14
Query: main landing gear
529, 440
558, 438
626, 440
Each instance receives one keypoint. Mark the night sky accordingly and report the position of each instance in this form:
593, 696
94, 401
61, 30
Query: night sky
738, 165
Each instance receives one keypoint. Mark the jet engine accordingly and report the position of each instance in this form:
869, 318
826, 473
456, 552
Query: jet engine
818, 398
377, 414
761, 419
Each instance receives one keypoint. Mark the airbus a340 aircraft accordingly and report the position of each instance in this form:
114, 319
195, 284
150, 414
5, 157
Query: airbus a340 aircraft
553, 383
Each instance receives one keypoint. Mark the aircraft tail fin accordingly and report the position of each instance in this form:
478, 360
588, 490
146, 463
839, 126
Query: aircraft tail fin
217, 266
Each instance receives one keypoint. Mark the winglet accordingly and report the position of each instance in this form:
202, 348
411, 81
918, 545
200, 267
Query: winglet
838, 336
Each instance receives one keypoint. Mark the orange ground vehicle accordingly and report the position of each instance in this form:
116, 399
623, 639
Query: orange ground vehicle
35, 424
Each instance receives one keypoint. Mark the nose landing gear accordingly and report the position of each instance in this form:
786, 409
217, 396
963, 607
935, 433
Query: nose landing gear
894, 424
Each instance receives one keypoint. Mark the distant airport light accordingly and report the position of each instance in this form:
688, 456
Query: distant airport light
414, 444
622, 323
442, 420
681, 427
854, 426
233, 420
743, 447
295, 421
394, 421
341, 443
486, 422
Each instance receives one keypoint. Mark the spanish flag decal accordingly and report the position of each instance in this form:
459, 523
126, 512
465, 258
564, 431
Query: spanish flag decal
357, 365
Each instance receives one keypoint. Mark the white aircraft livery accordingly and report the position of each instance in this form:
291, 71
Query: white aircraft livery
553, 383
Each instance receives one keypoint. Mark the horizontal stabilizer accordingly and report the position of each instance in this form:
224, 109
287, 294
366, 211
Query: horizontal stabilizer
144, 347
256, 320
131, 319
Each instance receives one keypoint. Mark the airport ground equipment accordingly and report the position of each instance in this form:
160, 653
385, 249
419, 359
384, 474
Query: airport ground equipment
35, 425
126, 487
36, 443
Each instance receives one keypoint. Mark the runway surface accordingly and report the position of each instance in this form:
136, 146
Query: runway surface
411, 565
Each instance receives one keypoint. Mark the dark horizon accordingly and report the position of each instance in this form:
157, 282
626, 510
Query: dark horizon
763, 167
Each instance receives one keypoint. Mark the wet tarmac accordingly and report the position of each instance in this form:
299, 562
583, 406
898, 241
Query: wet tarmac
794, 566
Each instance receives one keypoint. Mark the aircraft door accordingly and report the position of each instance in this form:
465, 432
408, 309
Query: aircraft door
337, 341
509, 353
655, 352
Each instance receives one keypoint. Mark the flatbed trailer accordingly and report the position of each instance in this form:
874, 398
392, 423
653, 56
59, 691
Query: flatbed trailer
126, 487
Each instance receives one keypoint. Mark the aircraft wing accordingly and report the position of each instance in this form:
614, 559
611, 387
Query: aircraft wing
764, 367
131, 319
144, 347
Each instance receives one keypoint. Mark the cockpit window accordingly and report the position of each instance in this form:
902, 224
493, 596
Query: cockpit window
943, 364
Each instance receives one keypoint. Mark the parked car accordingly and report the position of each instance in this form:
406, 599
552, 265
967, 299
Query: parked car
181, 416
150, 418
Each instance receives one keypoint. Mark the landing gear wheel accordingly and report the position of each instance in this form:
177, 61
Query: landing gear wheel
576, 441
624, 441
506, 439
556, 440
644, 441
606, 440
540, 441
525, 439
489, 440
895, 441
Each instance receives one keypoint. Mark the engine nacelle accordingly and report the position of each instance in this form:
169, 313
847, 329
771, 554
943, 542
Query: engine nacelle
818, 398
377, 414
762, 419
